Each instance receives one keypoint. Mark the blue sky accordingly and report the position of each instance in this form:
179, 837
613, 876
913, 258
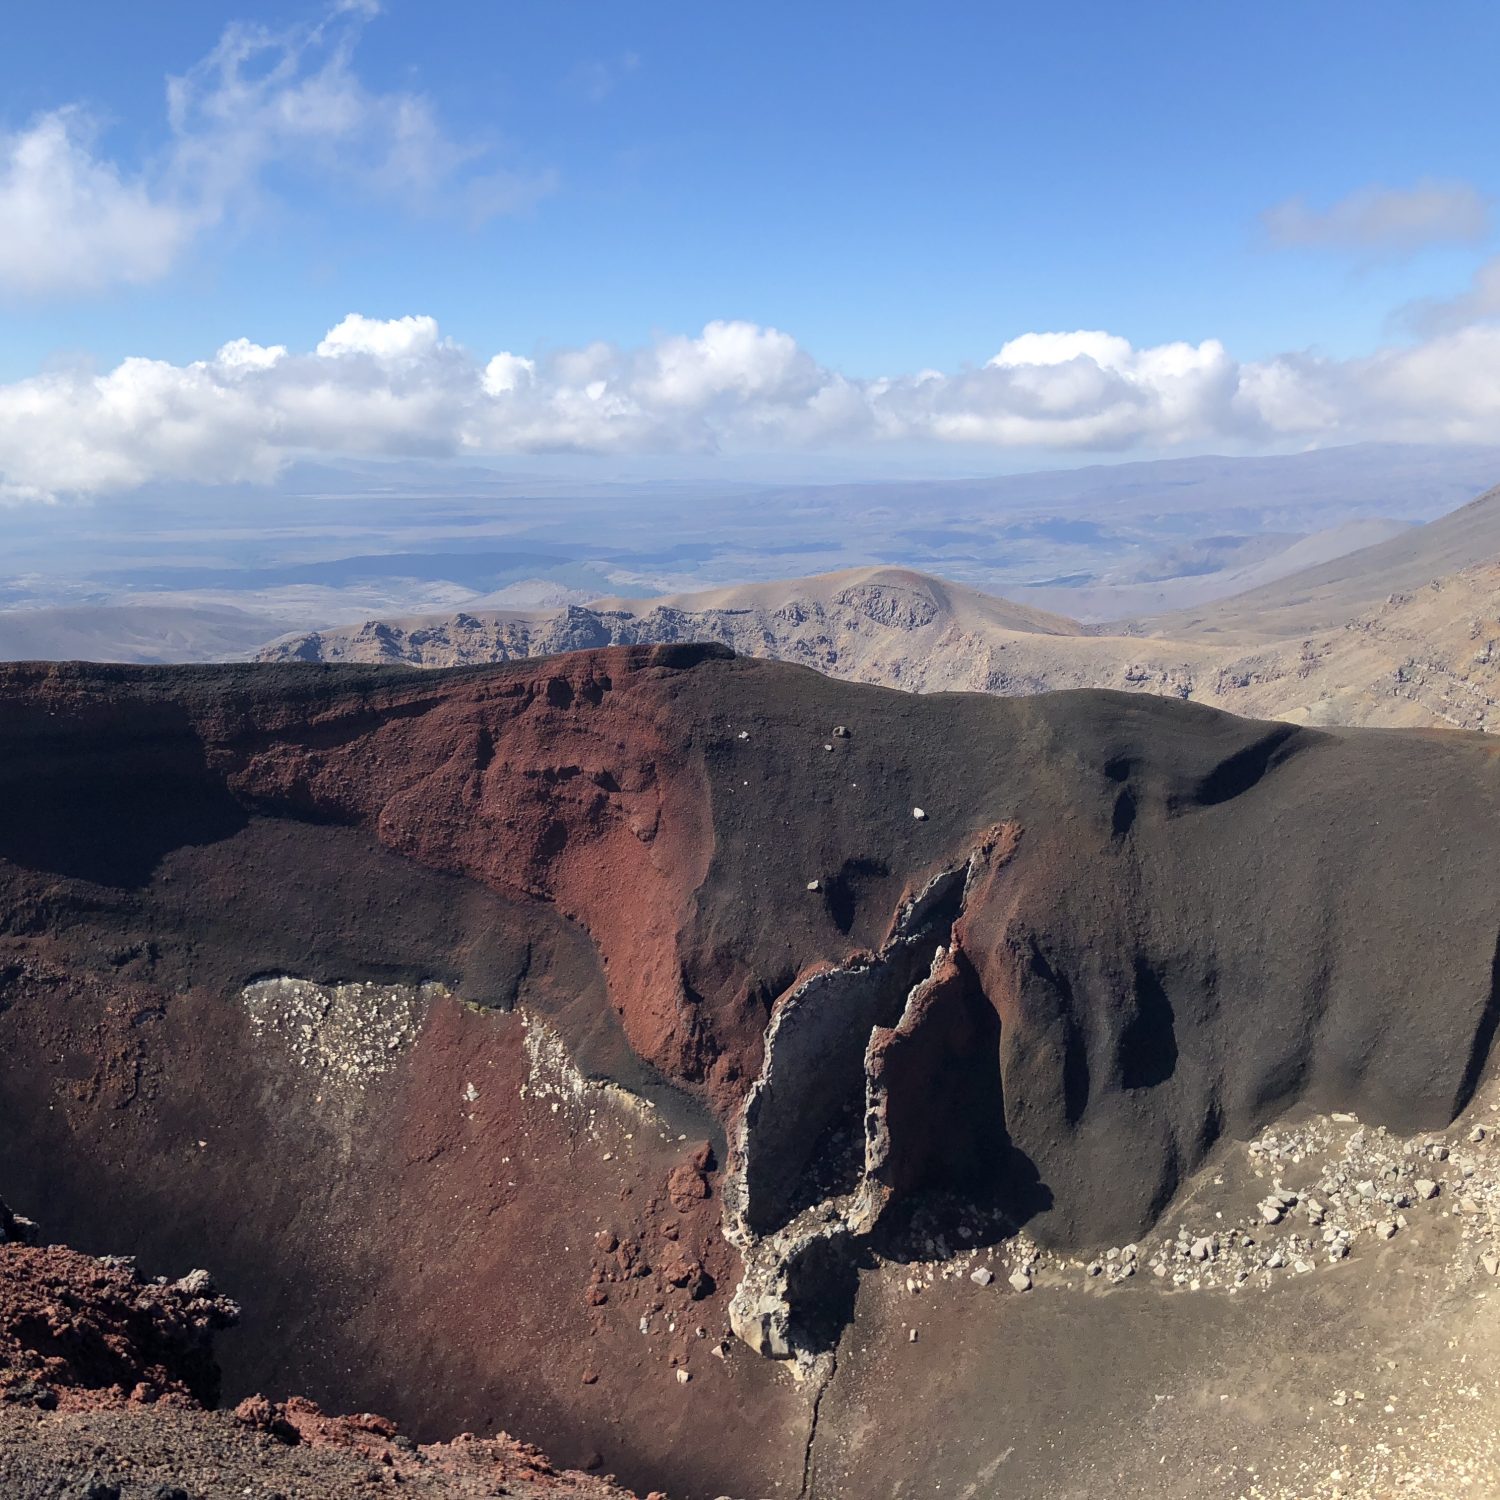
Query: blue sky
896, 190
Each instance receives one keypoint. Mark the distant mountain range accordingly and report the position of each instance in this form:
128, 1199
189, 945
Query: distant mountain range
1400, 633
1277, 603
327, 546
133, 633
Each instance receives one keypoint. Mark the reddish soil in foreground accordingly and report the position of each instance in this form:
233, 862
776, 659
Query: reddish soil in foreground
106, 1380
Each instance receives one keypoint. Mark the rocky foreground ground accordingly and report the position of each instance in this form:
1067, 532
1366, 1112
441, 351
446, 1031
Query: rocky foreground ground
1329, 1292
107, 1384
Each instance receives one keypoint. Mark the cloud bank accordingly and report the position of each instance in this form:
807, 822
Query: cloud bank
399, 387
1396, 221
77, 222
1445, 314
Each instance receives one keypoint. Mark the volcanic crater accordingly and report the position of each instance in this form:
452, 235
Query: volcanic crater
509, 1039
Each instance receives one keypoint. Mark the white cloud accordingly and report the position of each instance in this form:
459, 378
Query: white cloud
738, 360
399, 387
1037, 350
1446, 388
394, 338
71, 220
505, 372
76, 221
1381, 219
1098, 388
242, 354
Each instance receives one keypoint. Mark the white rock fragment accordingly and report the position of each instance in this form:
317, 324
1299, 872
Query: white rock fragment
920, 814
981, 1277
1426, 1188
349, 1034
1021, 1280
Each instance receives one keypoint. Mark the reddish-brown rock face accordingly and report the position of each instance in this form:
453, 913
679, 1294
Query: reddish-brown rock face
407, 1001
572, 786
81, 1337
77, 1333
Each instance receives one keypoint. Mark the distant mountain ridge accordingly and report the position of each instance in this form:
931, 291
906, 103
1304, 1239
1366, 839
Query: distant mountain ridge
1318, 597
1421, 654
166, 633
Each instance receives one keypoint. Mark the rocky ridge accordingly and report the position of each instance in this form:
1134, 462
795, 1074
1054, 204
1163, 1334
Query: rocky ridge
1423, 658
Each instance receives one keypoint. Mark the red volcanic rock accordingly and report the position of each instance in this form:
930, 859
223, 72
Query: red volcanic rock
571, 785
499, 1461
79, 1336
255, 1412
680, 1269
79, 1333
687, 1184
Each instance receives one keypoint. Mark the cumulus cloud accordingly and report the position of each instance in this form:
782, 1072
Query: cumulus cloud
1384, 220
386, 339
400, 387
76, 221
72, 220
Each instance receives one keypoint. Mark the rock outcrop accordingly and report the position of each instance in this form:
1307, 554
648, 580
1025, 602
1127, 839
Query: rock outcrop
1422, 657
111, 1354
78, 1333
